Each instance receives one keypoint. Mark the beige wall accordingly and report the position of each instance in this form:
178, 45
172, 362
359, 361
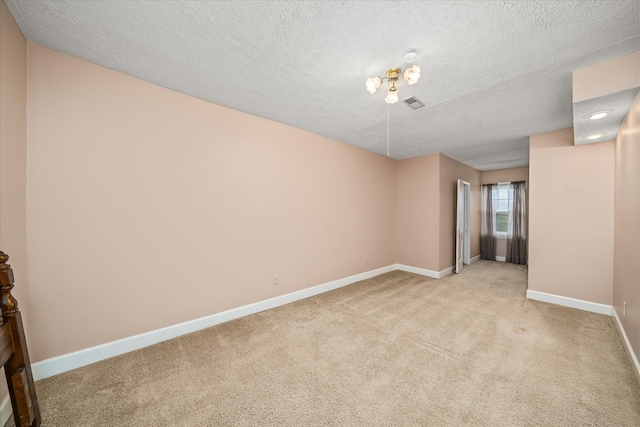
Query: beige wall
13, 159
450, 171
419, 212
607, 77
571, 217
150, 208
626, 273
13, 152
506, 175
427, 210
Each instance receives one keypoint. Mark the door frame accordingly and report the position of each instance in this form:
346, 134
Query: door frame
463, 211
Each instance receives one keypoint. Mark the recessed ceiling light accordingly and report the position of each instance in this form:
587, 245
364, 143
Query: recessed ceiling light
595, 135
598, 114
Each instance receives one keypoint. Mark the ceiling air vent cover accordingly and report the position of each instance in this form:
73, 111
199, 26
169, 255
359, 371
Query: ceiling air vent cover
413, 102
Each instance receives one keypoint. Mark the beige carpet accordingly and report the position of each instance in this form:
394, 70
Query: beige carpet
396, 350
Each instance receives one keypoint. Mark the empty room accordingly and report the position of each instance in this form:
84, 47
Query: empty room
320, 213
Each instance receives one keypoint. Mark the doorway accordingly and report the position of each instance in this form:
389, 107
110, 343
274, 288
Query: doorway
463, 245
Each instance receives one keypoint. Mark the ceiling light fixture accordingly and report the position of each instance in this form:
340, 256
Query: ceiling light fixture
598, 114
411, 75
595, 135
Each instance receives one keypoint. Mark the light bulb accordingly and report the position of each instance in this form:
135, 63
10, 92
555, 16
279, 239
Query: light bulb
373, 84
392, 96
411, 75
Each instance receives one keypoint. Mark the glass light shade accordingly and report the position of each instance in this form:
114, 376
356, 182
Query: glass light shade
373, 84
392, 96
411, 75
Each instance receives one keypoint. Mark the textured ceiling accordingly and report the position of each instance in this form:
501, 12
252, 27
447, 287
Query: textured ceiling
493, 72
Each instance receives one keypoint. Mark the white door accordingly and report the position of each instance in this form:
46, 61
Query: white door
462, 225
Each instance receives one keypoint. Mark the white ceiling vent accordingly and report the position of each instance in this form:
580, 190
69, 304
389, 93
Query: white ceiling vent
413, 102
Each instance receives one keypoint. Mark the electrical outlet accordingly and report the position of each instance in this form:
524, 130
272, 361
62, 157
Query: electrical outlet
275, 279
624, 310
366, 260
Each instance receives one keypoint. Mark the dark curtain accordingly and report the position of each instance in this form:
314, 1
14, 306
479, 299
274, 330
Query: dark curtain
487, 235
517, 231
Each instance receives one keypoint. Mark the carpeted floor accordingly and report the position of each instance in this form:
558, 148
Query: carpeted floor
395, 350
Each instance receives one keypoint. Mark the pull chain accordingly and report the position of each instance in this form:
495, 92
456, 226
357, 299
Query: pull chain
388, 108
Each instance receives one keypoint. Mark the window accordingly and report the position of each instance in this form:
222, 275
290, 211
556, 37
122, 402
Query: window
504, 219
502, 197
501, 222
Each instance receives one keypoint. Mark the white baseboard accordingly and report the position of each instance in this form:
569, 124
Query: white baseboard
6, 411
446, 272
627, 346
593, 307
501, 258
424, 271
67, 362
